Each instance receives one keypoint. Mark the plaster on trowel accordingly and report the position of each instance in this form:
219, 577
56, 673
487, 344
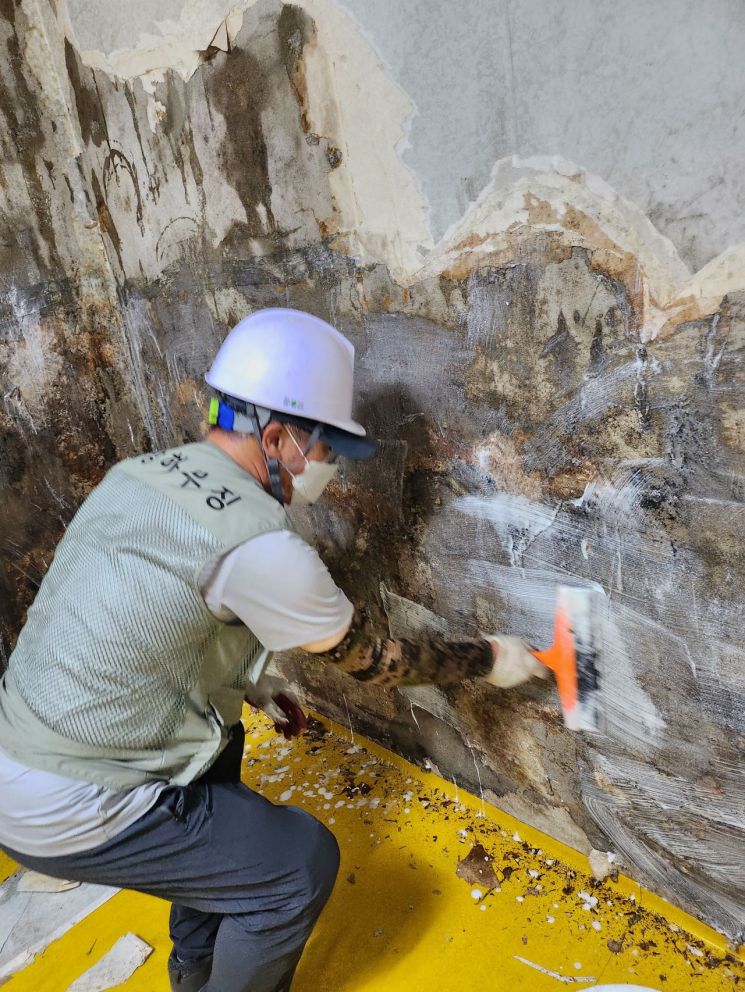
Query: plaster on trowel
575, 655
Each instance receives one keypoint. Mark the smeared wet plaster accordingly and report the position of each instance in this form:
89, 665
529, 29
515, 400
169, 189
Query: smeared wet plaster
627, 711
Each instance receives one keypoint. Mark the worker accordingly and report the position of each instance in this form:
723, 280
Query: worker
120, 733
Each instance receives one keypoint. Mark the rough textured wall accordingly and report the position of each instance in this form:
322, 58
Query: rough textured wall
557, 393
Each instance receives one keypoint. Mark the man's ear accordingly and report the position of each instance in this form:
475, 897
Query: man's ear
271, 437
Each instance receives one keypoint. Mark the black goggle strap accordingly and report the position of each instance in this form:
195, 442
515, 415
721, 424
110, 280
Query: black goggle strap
313, 439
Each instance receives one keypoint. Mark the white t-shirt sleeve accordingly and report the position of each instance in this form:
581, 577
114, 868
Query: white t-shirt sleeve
279, 587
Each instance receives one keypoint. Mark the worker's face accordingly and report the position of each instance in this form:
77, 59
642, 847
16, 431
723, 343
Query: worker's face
289, 445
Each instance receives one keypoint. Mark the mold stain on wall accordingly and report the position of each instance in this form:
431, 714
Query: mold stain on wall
553, 401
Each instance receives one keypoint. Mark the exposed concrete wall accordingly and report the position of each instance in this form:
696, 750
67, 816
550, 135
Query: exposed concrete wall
557, 391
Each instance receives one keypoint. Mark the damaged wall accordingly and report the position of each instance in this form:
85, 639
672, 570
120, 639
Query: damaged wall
558, 392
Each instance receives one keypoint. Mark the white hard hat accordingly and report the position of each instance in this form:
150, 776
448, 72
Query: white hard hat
294, 364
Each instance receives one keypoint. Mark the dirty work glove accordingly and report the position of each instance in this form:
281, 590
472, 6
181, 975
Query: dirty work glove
513, 663
279, 705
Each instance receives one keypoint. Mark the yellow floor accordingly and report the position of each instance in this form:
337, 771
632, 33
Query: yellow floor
401, 918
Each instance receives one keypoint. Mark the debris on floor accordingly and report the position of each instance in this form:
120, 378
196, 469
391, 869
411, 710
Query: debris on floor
416, 905
127, 955
476, 869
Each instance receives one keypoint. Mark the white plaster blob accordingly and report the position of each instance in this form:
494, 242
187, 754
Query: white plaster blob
602, 864
127, 955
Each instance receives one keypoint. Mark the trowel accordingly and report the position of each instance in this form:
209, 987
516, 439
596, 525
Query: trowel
575, 655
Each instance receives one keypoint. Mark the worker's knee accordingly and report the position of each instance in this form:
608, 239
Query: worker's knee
318, 863
326, 862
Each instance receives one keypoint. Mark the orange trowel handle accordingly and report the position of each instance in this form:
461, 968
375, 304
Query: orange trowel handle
561, 658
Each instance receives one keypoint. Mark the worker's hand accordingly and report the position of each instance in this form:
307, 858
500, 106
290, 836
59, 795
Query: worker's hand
271, 696
513, 663
292, 721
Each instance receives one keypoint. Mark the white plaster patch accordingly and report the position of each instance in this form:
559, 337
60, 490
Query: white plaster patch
33, 367
161, 42
627, 711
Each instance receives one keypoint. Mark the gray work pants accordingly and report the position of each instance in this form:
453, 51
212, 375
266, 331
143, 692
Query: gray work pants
247, 879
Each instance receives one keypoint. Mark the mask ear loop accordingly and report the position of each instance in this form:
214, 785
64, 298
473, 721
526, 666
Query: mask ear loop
311, 443
275, 481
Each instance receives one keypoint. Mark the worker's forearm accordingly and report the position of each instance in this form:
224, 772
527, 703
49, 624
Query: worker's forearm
428, 659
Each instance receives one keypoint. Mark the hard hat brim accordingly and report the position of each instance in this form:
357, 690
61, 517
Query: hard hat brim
348, 445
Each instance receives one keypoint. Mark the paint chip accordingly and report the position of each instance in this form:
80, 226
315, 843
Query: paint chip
476, 868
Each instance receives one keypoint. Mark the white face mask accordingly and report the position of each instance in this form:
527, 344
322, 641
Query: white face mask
308, 486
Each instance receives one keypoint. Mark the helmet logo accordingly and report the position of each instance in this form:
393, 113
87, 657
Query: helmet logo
294, 404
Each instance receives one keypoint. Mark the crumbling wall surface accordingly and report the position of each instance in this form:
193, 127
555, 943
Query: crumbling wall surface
558, 394
65, 397
105, 185
546, 444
